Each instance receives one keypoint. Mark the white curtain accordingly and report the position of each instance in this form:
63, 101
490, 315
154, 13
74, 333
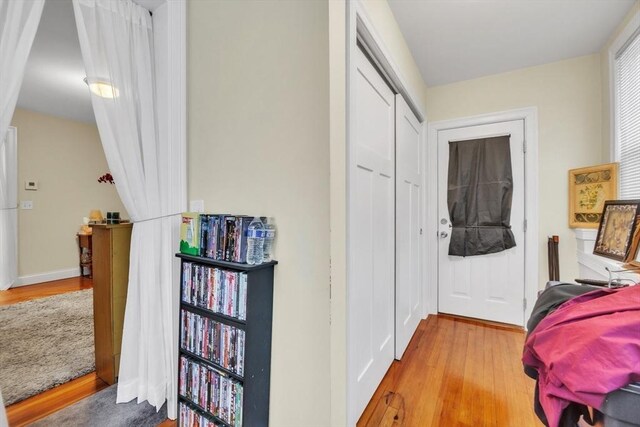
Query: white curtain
116, 39
18, 25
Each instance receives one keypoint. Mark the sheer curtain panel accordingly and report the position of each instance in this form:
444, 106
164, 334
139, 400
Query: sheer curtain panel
116, 39
18, 25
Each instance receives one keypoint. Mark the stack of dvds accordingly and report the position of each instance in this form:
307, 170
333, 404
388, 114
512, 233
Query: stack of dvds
224, 237
217, 342
191, 418
215, 289
212, 390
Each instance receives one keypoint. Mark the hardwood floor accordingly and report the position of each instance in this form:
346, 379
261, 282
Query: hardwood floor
50, 401
456, 372
27, 293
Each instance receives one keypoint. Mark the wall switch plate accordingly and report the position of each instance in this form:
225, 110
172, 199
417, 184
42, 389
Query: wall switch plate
26, 204
196, 206
31, 185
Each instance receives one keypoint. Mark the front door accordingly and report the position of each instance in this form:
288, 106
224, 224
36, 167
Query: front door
486, 286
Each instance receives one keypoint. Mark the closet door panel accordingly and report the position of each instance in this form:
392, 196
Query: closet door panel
371, 233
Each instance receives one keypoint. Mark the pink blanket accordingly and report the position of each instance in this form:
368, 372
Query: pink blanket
587, 348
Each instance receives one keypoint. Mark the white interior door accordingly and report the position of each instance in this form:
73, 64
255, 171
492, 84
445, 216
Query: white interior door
408, 225
489, 287
371, 233
8, 209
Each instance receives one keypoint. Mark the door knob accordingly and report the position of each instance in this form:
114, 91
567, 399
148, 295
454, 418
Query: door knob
444, 234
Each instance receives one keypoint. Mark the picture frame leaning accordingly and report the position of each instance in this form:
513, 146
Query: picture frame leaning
632, 260
616, 229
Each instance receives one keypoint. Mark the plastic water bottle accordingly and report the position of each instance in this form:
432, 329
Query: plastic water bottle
255, 242
269, 237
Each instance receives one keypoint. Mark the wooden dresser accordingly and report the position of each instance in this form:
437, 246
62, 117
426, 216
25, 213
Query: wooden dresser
110, 277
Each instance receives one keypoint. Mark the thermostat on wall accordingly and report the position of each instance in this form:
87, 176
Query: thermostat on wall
30, 185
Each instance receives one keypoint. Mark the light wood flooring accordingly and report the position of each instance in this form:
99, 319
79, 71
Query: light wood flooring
41, 290
39, 406
50, 401
456, 372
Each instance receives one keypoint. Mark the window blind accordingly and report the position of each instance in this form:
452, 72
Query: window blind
627, 75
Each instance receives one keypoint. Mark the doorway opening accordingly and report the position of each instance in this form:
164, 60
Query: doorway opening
169, 33
60, 160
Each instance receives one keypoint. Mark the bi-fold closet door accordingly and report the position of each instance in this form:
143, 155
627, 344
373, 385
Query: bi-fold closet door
408, 302
385, 193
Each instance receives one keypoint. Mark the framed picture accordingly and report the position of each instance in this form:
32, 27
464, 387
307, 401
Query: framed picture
616, 228
635, 262
632, 260
588, 189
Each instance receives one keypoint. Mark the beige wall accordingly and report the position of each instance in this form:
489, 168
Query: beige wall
259, 144
568, 97
338, 213
66, 158
605, 82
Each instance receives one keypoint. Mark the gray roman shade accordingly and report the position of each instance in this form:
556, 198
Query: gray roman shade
480, 189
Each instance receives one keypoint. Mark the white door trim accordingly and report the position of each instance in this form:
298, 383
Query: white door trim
530, 117
360, 28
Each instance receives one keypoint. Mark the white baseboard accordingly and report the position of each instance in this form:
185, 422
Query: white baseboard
47, 277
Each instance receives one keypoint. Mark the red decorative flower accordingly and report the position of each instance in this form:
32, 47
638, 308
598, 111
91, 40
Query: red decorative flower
106, 178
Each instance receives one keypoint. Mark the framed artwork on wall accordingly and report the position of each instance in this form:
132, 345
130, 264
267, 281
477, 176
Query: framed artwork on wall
617, 227
588, 189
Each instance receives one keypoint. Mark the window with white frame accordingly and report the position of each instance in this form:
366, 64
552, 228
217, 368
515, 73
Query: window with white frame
626, 78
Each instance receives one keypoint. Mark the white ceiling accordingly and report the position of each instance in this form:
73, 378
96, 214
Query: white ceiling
451, 40
53, 76
454, 40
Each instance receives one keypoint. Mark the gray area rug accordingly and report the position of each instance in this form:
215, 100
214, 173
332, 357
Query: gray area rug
101, 410
44, 343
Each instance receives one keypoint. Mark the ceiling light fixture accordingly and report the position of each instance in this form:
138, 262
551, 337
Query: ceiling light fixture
102, 88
